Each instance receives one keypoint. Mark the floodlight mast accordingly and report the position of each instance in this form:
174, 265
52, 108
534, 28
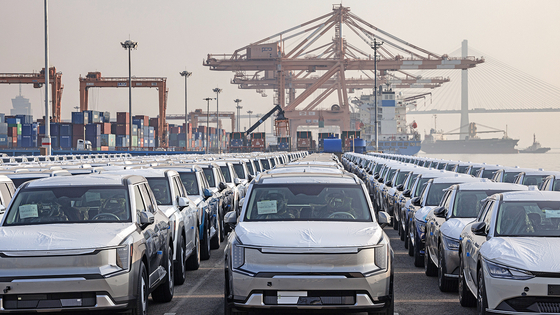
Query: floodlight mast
129, 45
186, 74
217, 91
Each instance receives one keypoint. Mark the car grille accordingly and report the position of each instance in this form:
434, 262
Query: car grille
528, 304
49, 300
324, 297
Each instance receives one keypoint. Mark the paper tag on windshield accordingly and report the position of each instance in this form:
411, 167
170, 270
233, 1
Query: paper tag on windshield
28, 211
92, 196
267, 207
552, 213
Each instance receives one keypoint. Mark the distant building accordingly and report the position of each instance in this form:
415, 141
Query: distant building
21, 105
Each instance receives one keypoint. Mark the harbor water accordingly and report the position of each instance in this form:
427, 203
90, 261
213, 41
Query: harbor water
549, 161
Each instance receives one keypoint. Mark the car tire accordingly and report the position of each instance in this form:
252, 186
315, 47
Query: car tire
430, 269
418, 257
215, 241
466, 298
193, 262
481, 299
141, 305
445, 284
402, 233
180, 272
164, 292
205, 243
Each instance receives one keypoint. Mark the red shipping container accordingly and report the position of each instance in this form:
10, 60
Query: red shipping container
79, 130
123, 118
12, 131
105, 128
103, 148
123, 129
154, 122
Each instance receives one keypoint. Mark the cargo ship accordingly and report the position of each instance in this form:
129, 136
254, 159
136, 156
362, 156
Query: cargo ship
435, 142
395, 134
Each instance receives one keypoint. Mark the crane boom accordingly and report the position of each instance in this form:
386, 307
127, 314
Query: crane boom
265, 117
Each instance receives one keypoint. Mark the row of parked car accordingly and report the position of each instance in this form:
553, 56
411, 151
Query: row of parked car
104, 232
487, 231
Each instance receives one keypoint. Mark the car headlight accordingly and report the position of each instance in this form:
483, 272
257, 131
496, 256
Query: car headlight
124, 254
450, 243
380, 256
421, 227
237, 254
504, 272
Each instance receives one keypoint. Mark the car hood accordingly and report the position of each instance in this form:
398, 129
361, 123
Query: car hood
309, 234
64, 236
197, 199
167, 210
453, 227
422, 213
526, 253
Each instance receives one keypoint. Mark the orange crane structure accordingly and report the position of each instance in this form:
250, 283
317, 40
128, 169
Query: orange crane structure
38, 80
95, 80
325, 63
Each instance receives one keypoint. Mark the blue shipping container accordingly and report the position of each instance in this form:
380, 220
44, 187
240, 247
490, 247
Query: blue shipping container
93, 130
65, 130
13, 120
138, 122
65, 141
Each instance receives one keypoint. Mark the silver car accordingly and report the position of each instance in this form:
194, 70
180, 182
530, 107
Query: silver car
90, 242
308, 242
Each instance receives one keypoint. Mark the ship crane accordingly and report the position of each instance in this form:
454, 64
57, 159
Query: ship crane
95, 80
38, 80
321, 64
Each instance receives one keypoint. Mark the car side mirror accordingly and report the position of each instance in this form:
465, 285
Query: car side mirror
440, 212
380, 180
376, 176
237, 181
479, 228
207, 193
406, 193
183, 202
2, 209
231, 219
389, 184
250, 177
400, 187
222, 186
384, 219
416, 201
146, 218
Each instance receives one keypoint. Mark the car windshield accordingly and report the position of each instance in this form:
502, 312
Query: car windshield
528, 218
69, 205
239, 170
420, 186
401, 176
265, 164
474, 170
227, 174
435, 193
249, 167
160, 188
209, 177
190, 183
307, 202
462, 169
467, 203
529, 180
509, 177
411, 181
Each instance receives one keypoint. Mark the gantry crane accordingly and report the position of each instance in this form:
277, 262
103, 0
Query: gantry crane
269, 64
38, 80
95, 80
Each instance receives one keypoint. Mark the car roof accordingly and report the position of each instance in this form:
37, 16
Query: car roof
300, 169
490, 185
309, 178
531, 195
454, 179
146, 172
82, 180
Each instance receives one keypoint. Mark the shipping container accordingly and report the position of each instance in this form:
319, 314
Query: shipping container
79, 130
65, 142
93, 129
263, 51
123, 118
3, 128
122, 129
108, 140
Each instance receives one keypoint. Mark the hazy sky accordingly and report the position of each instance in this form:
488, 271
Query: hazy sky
175, 35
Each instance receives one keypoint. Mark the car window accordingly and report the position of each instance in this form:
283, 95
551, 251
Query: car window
487, 218
140, 207
69, 205
446, 199
160, 188
257, 166
528, 218
5, 194
250, 168
265, 164
190, 183
556, 185
149, 198
239, 170
209, 177
305, 202
226, 173
178, 187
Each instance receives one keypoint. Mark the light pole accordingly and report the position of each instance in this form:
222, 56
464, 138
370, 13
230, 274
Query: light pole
239, 107
46, 141
208, 99
186, 74
249, 112
375, 46
217, 90
129, 45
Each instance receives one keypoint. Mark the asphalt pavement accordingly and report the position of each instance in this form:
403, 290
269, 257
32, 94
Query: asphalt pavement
415, 293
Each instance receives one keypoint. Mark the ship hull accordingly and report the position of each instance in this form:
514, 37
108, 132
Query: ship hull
539, 150
403, 147
471, 146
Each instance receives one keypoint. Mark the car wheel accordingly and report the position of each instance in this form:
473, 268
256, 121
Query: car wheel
430, 268
481, 301
215, 241
205, 243
180, 272
402, 233
164, 292
466, 298
445, 284
418, 257
141, 305
193, 262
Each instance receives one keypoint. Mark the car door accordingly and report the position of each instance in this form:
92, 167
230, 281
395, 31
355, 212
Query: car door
189, 213
161, 225
476, 241
149, 232
436, 223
